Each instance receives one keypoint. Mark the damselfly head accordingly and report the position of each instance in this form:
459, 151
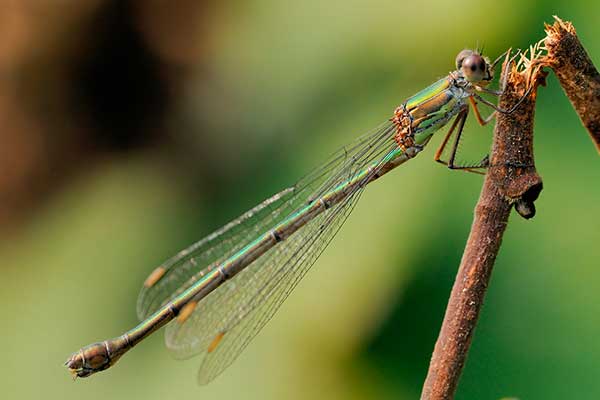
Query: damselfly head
474, 67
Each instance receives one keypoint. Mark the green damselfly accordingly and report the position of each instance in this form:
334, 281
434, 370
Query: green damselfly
223, 289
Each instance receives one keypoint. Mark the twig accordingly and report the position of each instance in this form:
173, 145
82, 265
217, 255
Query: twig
576, 73
512, 181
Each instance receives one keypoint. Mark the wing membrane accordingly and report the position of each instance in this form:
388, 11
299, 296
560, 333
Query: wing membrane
243, 326
226, 320
189, 265
235, 312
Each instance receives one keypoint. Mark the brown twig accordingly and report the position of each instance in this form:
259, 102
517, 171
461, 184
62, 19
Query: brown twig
576, 73
512, 181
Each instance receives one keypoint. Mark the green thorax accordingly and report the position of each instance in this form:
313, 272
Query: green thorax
426, 94
433, 107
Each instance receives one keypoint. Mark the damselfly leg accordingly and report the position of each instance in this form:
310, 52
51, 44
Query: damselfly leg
459, 122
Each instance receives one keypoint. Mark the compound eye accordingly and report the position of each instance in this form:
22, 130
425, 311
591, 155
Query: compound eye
460, 58
473, 68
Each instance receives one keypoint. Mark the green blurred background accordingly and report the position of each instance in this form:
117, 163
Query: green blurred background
131, 129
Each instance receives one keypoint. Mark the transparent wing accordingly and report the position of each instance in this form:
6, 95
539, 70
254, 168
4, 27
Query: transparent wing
227, 319
185, 268
192, 263
244, 325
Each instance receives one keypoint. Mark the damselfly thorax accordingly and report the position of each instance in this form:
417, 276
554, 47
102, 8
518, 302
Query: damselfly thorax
423, 114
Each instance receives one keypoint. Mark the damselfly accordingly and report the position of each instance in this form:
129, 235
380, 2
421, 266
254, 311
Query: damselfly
223, 289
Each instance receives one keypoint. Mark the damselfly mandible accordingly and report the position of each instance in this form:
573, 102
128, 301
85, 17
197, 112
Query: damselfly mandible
223, 289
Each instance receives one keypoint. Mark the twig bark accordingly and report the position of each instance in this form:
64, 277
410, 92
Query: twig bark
512, 181
576, 73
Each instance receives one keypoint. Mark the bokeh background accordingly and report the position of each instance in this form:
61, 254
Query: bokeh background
131, 129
